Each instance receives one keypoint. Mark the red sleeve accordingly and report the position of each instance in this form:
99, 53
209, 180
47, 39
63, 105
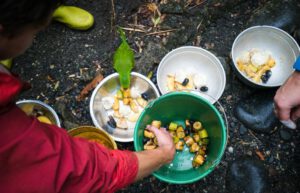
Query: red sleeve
114, 169
37, 157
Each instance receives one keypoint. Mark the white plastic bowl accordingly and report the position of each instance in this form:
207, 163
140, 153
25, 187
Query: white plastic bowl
283, 47
192, 60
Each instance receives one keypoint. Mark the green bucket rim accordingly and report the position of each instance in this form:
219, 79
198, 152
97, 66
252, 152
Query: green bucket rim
224, 135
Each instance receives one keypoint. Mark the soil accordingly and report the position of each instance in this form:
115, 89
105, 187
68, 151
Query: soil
62, 61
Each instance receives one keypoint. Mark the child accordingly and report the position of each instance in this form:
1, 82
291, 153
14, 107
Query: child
36, 157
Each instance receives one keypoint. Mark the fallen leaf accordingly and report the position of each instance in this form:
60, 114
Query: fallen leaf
89, 87
260, 155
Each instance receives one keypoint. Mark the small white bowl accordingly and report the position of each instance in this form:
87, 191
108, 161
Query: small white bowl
108, 87
191, 60
283, 47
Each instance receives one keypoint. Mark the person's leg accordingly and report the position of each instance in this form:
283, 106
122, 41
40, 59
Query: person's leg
74, 17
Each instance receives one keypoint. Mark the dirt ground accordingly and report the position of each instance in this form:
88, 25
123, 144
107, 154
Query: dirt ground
62, 61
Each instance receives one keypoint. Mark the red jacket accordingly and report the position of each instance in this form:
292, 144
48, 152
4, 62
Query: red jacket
37, 157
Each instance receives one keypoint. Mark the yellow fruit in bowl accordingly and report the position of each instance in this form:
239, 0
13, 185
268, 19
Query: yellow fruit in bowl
44, 119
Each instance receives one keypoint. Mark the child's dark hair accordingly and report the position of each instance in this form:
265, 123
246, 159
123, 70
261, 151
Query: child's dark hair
16, 14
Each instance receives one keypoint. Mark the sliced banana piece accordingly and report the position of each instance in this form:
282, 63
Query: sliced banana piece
142, 102
133, 117
108, 102
122, 123
134, 106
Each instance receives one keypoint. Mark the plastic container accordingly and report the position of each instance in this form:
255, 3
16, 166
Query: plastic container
179, 106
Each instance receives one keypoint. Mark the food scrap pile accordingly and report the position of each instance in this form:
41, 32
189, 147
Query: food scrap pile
194, 136
184, 81
30, 110
256, 64
124, 107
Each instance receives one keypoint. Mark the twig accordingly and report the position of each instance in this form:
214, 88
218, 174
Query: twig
199, 25
197, 4
260, 155
89, 87
113, 17
161, 32
254, 136
133, 29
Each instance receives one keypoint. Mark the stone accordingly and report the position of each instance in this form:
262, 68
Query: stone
150, 57
278, 13
247, 175
230, 149
285, 134
243, 130
185, 32
256, 111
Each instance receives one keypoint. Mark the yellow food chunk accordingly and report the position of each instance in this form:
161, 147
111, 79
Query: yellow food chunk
171, 83
271, 62
44, 119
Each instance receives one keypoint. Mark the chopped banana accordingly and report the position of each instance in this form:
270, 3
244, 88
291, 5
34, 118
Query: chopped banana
156, 124
171, 82
190, 84
134, 106
126, 101
148, 134
107, 102
134, 93
142, 102
122, 123
149, 145
124, 110
117, 114
116, 104
133, 117
126, 93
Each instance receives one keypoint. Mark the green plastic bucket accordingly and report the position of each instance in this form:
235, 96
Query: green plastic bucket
177, 107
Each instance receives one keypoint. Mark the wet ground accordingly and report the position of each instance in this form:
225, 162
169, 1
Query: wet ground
62, 61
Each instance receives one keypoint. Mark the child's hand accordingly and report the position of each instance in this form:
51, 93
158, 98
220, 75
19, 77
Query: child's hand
165, 142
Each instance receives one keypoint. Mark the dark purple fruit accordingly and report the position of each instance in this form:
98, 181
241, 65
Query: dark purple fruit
268, 73
111, 122
187, 131
264, 78
145, 96
185, 82
203, 88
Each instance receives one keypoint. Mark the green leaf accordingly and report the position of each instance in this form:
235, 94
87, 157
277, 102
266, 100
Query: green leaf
123, 61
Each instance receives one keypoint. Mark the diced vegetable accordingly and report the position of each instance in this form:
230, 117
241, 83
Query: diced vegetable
116, 104
196, 138
149, 134
173, 126
189, 141
179, 145
194, 148
197, 126
156, 124
198, 160
119, 94
203, 133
